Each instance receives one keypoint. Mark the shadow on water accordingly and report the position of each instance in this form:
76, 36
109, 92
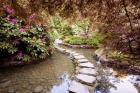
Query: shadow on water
109, 83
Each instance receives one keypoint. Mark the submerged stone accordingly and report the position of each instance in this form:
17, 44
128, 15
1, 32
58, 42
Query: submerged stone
11, 90
5, 84
77, 87
38, 89
86, 78
86, 65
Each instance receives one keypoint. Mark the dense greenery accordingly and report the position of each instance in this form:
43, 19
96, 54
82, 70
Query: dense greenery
22, 43
95, 40
60, 28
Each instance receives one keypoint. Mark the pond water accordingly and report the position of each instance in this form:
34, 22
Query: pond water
54, 75
45, 74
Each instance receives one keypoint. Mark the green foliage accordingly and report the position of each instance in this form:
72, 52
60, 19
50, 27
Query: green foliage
95, 40
81, 26
60, 27
74, 40
23, 44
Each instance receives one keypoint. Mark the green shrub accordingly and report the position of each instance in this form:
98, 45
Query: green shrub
60, 27
23, 44
74, 40
95, 41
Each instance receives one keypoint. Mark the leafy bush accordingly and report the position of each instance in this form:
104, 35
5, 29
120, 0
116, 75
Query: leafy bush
95, 40
74, 40
23, 44
60, 28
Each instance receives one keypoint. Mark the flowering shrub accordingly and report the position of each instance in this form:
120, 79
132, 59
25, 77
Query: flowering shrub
21, 43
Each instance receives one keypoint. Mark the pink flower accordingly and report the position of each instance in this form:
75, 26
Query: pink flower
14, 21
9, 10
32, 16
21, 30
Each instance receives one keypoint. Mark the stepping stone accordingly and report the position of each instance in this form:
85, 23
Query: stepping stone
77, 87
76, 54
61, 50
87, 71
68, 51
79, 57
73, 52
86, 65
86, 78
82, 61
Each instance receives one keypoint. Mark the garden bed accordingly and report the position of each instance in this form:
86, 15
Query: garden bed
100, 54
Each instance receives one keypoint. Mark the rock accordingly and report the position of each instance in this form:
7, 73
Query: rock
72, 52
76, 54
58, 41
61, 49
68, 51
88, 71
38, 89
5, 84
79, 57
82, 61
86, 78
11, 90
86, 65
77, 87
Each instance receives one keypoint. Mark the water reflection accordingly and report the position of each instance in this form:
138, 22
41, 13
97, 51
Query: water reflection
63, 86
108, 83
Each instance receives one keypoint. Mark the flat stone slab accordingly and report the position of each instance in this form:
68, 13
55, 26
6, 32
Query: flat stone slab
88, 71
82, 61
68, 51
72, 52
76, 54
79, 57
86, 65
77, 87
86, 78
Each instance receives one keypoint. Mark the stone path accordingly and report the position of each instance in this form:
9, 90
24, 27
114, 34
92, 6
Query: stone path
85, 72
